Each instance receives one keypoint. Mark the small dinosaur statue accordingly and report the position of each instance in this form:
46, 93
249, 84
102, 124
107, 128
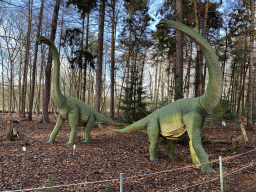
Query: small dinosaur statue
184, 116
77, 112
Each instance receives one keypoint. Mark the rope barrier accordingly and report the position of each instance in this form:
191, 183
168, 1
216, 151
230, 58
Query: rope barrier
147, 174
213, 179
68, 185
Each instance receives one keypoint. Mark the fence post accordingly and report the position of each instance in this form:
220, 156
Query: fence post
24, 155
221, 174
121, 182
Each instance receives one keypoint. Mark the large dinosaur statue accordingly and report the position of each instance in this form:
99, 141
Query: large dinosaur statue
184, 115
77, 112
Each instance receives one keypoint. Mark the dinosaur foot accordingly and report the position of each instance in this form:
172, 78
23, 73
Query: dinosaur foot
172, 156
69, 143
154, 160
49, 142
85, 140
207, 169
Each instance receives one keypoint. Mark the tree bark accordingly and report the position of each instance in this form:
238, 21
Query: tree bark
26, 62
112, 68
179, 54
49, 63
9, 131
100, 56
2, 60
34, 64
87, 48
250, 83
203, 75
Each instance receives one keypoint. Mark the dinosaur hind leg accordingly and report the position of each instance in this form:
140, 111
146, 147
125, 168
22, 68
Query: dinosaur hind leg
87, 129
83, 130
153, 136
171, 149
73, 119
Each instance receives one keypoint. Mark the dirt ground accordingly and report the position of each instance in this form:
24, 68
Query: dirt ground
109, 154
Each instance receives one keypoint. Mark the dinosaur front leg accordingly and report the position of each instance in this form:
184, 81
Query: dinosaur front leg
171, 149
87, 129
153, 136
56, 129
193, 122
73, 119
195, 159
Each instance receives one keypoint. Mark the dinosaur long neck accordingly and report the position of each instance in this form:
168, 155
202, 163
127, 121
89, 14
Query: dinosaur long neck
56, 95
210, 99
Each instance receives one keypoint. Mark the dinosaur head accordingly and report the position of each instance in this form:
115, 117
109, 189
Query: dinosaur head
162, 23
43, 39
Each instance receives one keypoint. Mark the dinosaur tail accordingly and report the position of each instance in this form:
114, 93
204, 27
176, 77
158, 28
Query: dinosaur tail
103, 119
56, 95
210, 99
136, 126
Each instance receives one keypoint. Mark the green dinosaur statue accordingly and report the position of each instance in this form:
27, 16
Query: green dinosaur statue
77, 112
184, 116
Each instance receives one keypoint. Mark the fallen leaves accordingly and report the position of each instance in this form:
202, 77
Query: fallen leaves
110, 153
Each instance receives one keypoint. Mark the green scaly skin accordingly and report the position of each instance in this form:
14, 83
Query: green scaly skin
184, 115
77, 112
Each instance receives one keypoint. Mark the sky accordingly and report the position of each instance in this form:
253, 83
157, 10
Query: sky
152, 12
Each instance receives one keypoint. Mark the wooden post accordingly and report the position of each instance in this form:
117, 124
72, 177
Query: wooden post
24, 155
243, 129
221, 174
121, 182
9, 131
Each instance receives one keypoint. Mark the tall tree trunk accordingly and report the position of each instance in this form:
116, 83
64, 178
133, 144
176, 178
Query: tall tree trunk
155, 92
87, 48
49, 63
40, 80
250, 85
100, 56
2, 60
26, 62
188, 70
19, 88
203, 75
179, 54
198, 62
112, 68
34, 64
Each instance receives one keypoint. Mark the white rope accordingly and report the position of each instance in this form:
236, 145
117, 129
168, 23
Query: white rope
214, 178
68, 185
147, 174
239, 154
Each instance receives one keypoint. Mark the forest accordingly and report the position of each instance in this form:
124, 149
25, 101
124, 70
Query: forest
114, 58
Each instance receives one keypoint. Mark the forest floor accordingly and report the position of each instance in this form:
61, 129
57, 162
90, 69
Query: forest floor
109, 154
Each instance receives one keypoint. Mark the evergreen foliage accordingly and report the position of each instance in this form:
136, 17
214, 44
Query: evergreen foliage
136, 30
133, 102
79, 55
222, 112
84, 6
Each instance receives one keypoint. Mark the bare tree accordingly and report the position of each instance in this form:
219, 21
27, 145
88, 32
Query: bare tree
26, 62
179, 54
250, 83
100, 55
34, 63
49, 63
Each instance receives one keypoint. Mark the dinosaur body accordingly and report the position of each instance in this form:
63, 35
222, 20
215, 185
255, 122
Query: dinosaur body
77, 112
184, 116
